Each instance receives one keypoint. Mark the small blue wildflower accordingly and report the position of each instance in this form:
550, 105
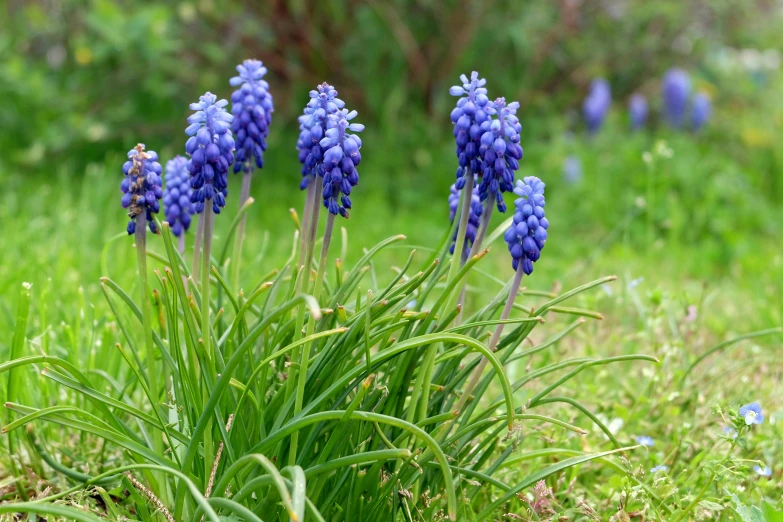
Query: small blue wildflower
176, 195
764, 471
572, 169
660, 467
701, 111
473, 220
645, 440
638, 111
500, 151
340, 159
675, 90
730, 432
141, 188
312, 126
252, 107
752, 413
527, 234
596, 104
467, 117
211, 151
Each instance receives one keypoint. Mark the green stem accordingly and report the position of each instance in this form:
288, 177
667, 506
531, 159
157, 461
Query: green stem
235, 258
206, 228
304, 360
197, 246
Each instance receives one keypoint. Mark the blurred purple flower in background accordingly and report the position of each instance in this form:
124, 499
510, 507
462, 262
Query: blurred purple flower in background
701, 110
638, 111
675, 90
596, 105
572, 169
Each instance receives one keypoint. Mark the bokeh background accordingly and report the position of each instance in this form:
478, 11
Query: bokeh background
82, 81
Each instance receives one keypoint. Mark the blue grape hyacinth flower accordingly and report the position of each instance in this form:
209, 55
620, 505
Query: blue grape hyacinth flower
340, 158
675, 91
638, 111
752, 413
701, 111
313, 125
596, 104
473, 220
141, 187
176, 196
252, 107
211, 151
527, 234
467, 117
500, 151
645, 440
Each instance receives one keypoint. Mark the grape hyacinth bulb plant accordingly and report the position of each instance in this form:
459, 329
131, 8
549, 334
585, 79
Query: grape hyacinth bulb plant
525, 238
675, 90
473, 221
596, 104
701, 111
638, 111
176, 198
341, 157
252, 107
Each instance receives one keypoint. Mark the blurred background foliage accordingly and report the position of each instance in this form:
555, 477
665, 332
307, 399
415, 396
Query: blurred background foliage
83, 80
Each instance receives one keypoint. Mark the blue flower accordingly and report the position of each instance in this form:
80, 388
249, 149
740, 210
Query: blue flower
467, 117
313, 125
572, 169
701, 111
661, 467
473, 220
596, 104
638, 111
528, 232
211, 151
675, 90
764, 471
340, 158
500, 151
752, 413
141, 188
252, 107
176, 195
730, 432
645, 440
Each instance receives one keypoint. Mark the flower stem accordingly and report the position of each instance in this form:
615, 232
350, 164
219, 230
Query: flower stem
475, 248
493, 342
197, 246
302, 381
181, 242
306, 222
205, 224
240, 233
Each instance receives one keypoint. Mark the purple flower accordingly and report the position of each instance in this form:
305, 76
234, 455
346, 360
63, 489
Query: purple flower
752, 413
313, 125
252, 107
467, 117
176, 195
473, 219
527, 234
638, 111
645, 440
675, 90
572, 169
211, 151
701, 111
141, 188
660, 467
340, 157
500, 151
596, 105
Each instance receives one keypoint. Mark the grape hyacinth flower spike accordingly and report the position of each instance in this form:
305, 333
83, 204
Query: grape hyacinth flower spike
313, 125
252, 107
473, 222
500, 151
176, 196
675, 90
342, 155
596, 105
527, 234
638, 111
467, 117
141, 188
526, 237
701, 111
